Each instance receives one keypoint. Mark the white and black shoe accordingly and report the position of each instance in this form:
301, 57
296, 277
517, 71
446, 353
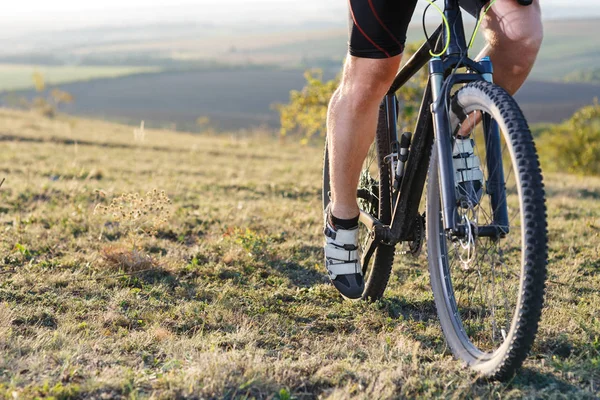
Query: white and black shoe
467, 173
342, 259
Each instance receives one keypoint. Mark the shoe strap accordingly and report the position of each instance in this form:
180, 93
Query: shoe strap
468, 175
462, 146
335, 253
466, 163
341, 237
342, 269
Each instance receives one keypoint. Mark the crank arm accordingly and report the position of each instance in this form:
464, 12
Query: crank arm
378, 234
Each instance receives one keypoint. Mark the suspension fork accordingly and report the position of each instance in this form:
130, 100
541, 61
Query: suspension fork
443, 144
495, 185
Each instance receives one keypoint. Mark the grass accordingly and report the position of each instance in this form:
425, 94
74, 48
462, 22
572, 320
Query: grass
16, 77
220, 292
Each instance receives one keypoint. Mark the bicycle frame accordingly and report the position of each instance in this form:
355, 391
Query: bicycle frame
432, 128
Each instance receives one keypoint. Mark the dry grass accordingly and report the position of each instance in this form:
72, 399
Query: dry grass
127, 259
227, 297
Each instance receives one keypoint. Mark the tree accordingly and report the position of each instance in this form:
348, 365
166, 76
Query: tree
49, 105
306, 112
39, 82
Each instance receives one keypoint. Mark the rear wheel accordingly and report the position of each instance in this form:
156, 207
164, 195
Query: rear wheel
489, 291
374, 198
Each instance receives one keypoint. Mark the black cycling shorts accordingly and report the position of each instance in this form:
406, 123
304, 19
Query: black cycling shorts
378, 27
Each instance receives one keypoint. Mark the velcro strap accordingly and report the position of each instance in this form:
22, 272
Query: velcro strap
466, 163
469, 175
462, 146
346, 236
332, 252
343, 268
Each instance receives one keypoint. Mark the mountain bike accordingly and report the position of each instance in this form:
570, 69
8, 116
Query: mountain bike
487, 261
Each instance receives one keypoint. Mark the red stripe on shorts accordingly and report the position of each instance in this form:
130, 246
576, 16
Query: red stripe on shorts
363, 32
382, 24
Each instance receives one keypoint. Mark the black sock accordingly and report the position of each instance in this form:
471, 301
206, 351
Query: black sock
344, 223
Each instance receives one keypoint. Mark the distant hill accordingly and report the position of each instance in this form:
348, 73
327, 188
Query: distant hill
569, 45
232, 99
235, 99
234, 74
587, 75
554, 101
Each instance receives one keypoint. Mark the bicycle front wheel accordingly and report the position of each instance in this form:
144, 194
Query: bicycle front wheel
489, 290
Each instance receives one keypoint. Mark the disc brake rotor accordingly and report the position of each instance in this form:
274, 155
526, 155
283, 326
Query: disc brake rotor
466, 246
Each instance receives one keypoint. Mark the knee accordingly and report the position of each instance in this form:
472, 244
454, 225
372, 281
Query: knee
516, 29
366, 81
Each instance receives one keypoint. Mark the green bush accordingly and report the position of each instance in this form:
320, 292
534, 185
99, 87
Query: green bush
573, 146
306, 112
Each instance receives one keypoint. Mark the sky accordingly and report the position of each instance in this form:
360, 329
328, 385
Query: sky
114, 11
23, 15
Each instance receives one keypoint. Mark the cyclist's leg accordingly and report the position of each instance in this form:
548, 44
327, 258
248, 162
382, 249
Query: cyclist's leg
351, 125
377, 36
514, 35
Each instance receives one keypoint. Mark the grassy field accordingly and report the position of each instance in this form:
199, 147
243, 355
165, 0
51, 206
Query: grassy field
219, 292
16, 76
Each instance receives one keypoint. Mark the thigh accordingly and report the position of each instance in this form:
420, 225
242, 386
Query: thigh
378, 27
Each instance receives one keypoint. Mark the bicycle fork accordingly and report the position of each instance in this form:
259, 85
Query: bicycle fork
443, 146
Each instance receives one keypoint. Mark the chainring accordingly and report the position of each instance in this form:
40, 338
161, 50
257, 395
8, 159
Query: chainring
416, 246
